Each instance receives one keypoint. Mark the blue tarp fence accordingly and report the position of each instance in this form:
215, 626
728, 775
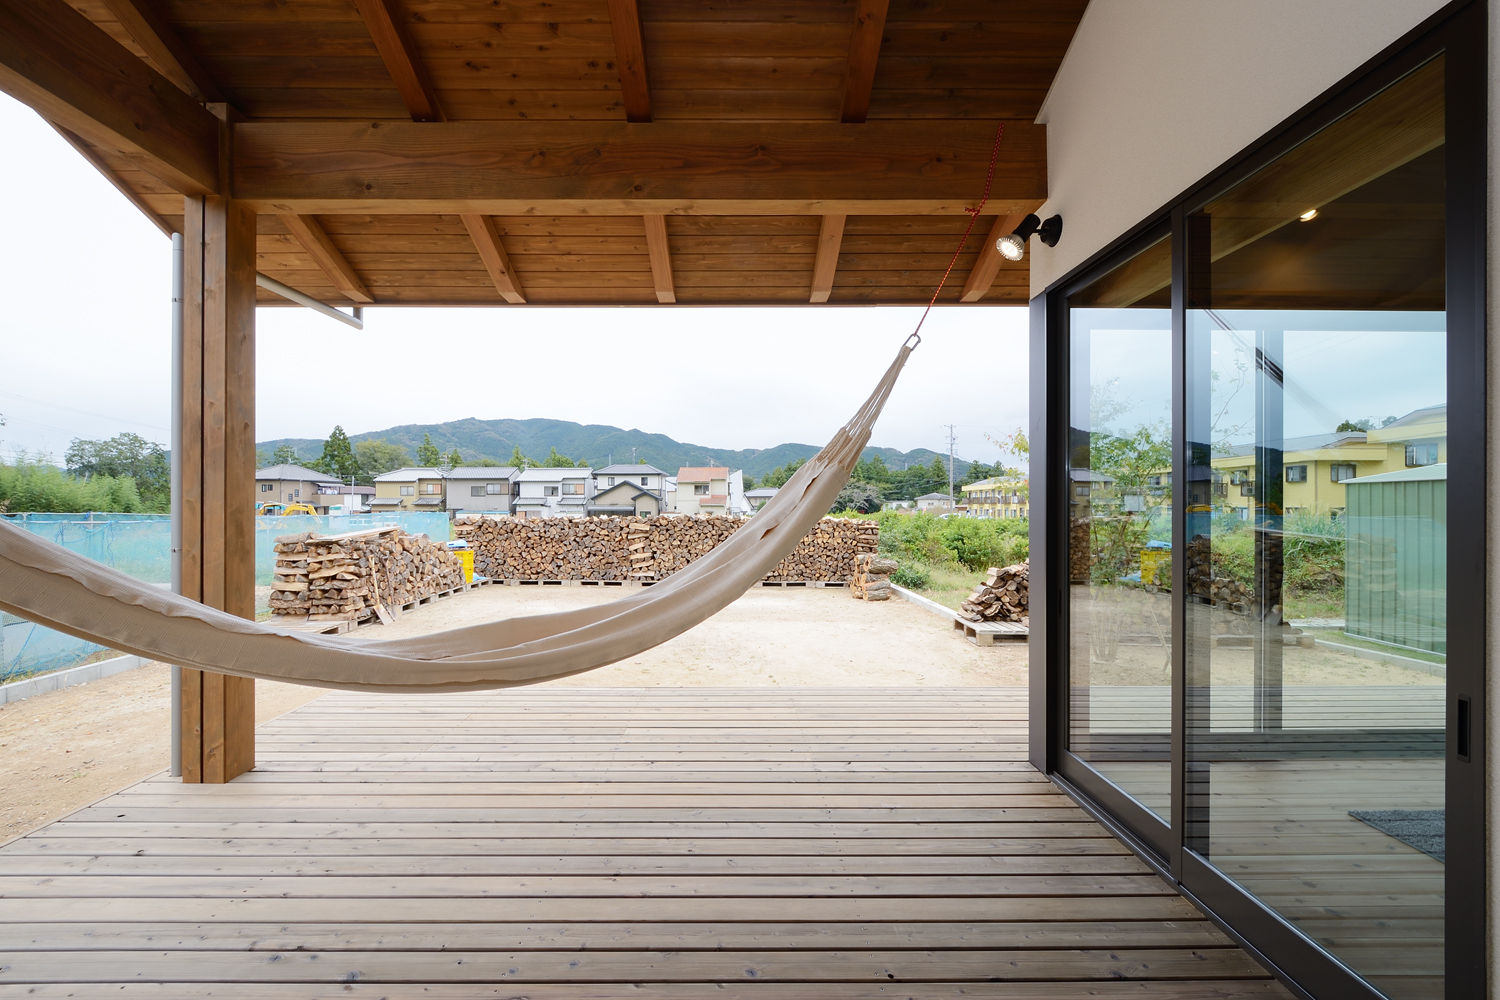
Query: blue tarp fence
141, 545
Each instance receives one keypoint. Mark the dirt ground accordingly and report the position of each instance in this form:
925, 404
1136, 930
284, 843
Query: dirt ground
69, 748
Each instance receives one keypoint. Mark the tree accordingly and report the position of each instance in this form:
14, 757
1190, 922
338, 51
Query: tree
778, 476
130, 456
284, 455
380, 456
454, 458
519, 460
427, 452
1362, 424
338, 458
556, 461
863, 497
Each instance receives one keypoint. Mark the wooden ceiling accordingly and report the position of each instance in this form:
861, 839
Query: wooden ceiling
568, 151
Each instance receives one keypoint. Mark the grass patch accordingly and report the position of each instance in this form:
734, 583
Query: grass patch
949, 585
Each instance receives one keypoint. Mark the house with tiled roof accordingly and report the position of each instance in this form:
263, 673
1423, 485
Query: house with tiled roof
702, 489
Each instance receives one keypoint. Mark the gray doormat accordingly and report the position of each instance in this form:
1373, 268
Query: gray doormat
1419, 828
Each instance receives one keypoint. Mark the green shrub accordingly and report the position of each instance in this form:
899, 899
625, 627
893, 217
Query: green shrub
912, 578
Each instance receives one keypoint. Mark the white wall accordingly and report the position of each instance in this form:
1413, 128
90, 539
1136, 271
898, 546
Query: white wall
1224, 72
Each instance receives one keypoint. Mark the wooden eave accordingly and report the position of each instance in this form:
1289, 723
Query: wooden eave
735, 128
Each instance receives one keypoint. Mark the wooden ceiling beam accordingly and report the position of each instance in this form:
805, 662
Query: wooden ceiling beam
486, 237
327, 256
582, 168
661, 258
143, 22
826, 263
82, 149
73, 74
864, 52
630, 57
982, 274
400, 61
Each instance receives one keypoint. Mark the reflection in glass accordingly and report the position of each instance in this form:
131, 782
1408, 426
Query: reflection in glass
1120, 527
1316, 534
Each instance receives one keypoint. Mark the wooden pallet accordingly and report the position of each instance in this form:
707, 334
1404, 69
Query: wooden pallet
296, 623
988, 633
804, 583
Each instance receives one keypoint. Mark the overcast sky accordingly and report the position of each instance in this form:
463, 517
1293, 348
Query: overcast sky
85, 333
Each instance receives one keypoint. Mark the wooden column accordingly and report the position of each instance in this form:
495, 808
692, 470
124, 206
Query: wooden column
217, 448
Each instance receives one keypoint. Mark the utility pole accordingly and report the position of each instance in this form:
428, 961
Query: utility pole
950, 461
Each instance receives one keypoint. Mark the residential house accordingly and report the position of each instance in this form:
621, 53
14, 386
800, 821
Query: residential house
940, 502
414, 488
997, 497
553, 492
739, 504
702, 490
647, 477
760, 496
287, 483
474, 489
627, 498
1315, 467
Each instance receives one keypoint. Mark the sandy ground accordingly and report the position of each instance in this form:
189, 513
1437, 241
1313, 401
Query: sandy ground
67, 749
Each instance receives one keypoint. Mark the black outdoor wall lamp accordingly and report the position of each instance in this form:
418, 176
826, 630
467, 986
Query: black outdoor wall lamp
1014, 245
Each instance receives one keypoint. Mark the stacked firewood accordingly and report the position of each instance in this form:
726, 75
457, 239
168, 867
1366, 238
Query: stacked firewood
343, 577
1208, 588
1080, 550
872, 577
1004, 596
632, 548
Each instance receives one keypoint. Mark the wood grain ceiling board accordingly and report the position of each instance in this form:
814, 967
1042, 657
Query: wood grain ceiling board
706, 61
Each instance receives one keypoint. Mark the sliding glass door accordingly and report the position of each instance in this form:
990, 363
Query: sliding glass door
1267, 574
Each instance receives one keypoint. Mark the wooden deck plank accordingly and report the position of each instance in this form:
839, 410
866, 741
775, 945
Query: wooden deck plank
643, 843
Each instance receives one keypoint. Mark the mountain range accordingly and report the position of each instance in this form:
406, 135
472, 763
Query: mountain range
594, 444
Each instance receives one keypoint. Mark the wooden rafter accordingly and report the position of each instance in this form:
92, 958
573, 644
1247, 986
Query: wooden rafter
982, 274
661, 258
162, 45
82, 149
328, 257
579, 168
826, 263
864, 51
486, 237
76, 76
630, 57
400, 61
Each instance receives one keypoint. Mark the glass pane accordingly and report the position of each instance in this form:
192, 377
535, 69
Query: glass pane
1316, 536
1120, 527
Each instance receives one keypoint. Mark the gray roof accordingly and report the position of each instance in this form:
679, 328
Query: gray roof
1421, 474
288, 471
641, 469
410, 474
763, 491
934, 496
483, 472
1306, 442
1419, 416
540, 475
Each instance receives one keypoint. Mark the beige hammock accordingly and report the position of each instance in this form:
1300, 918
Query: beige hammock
54, 587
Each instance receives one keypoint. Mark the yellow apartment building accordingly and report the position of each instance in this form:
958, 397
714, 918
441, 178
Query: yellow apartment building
997, 498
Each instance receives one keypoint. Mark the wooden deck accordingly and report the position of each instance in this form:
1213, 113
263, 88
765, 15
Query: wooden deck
549, 843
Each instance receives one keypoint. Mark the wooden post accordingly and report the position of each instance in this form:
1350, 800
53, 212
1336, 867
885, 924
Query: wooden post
217, 448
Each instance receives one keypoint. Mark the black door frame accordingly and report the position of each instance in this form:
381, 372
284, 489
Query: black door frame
1459, 31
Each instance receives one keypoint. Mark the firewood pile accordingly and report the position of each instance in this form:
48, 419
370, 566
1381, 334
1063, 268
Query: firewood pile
1080, 550
633, 548
1211, 589
872, 577
1004, 596
343, 577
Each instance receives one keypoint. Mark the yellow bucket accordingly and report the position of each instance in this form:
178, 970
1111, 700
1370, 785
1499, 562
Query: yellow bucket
466, 556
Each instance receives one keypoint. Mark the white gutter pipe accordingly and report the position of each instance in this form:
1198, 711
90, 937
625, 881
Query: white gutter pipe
288, 292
